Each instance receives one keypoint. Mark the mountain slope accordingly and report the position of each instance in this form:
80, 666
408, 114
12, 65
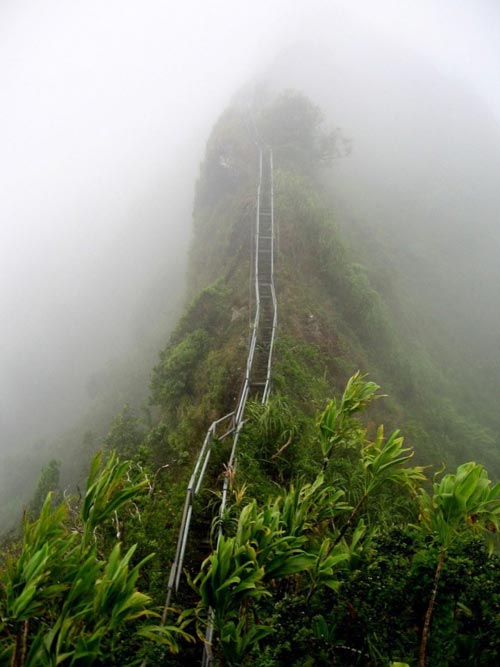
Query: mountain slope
322, 505
335, 316
333, 310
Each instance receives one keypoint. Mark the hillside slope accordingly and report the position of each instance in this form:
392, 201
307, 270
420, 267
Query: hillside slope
336, 314
333, 543
334, 319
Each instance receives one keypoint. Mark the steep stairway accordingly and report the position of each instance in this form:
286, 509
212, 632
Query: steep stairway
256, 382
260, 376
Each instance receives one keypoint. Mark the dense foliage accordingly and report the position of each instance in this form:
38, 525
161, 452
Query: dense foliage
364, 563
336, 548
361, 570
68, 593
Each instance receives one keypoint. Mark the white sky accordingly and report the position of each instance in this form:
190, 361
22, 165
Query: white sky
94, 94
461, 37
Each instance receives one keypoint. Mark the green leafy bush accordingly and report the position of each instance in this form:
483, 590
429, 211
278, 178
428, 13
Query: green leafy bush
69, 597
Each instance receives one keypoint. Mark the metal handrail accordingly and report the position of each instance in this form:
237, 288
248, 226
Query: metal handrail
237, 416
253, 344
193, 489
267, 388
202, 460
239, 422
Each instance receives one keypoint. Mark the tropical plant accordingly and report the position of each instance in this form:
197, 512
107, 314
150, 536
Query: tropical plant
460, 502
279, 541
276, 429
62, 600
337, 424
380, 463
229, 579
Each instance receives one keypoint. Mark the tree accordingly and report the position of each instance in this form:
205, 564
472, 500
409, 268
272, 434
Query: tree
125, 434
294, 126
461, 502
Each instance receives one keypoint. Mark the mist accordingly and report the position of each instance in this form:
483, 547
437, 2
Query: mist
424, 169
104, 116
105, 111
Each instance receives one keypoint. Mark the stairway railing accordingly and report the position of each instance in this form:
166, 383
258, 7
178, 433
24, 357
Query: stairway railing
193, 488
267, 388
264, 280
232, 423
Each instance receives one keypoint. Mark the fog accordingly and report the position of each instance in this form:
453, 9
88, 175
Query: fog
105, 111
425, 168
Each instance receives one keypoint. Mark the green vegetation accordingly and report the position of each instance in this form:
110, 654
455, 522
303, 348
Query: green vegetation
48, 483
68, 594
336, 549
357, 560
287, 582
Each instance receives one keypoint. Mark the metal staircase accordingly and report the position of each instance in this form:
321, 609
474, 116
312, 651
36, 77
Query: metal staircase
264, 269
257, 380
